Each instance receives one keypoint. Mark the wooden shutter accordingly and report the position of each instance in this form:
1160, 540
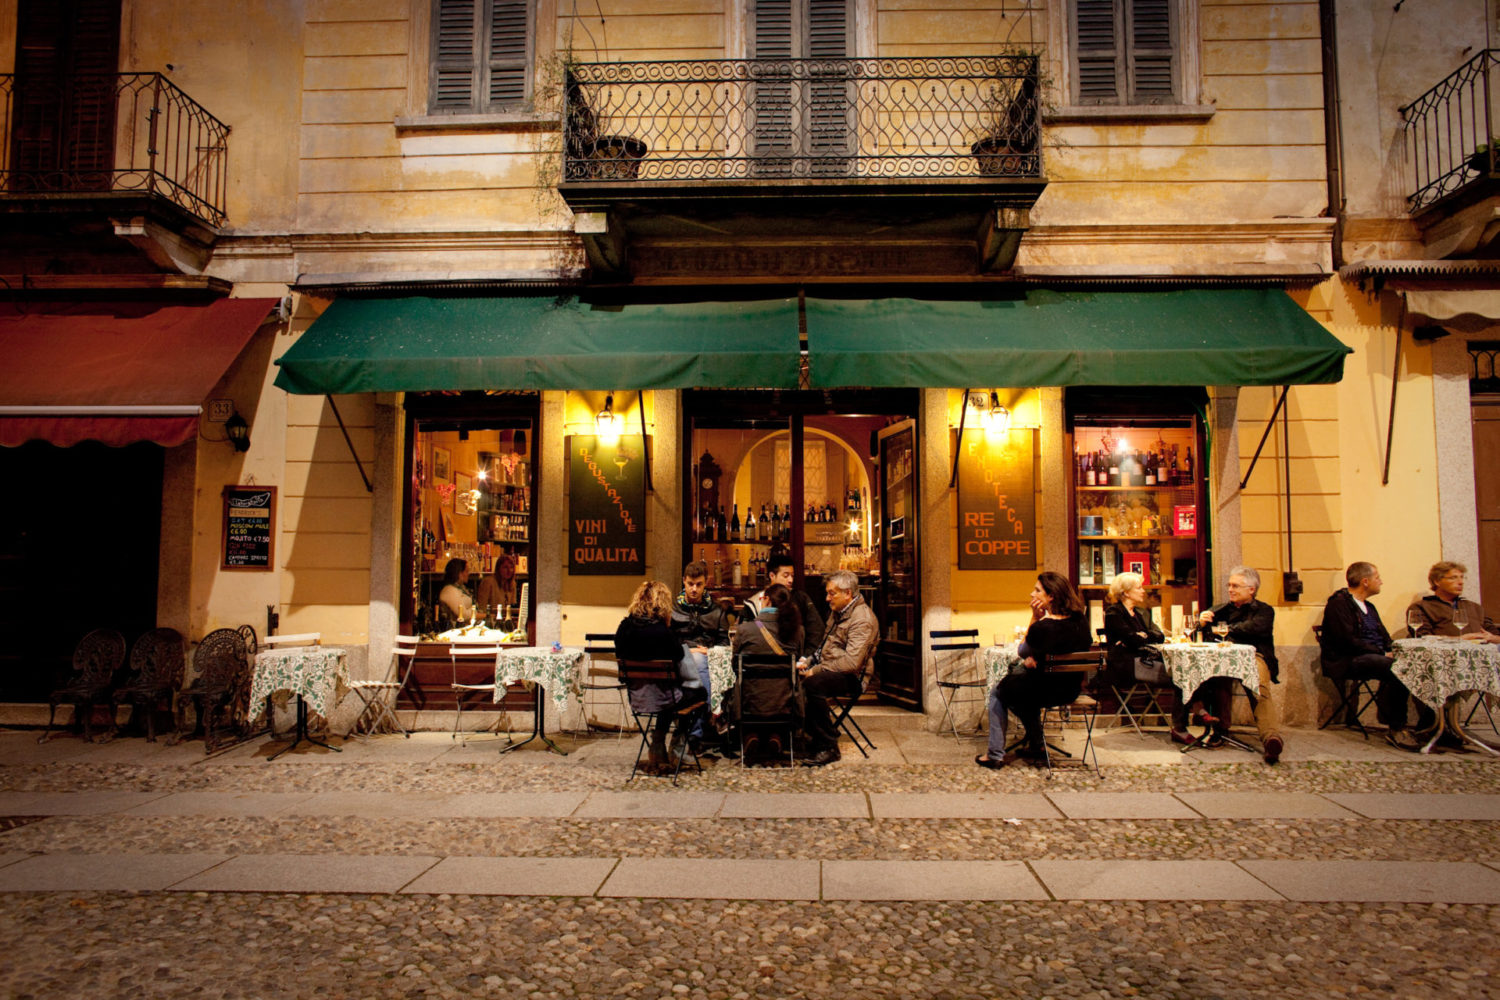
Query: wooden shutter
1153, 53
771, 99
67, 61
454, 80
772, 37
830, 101
510, 56
1097, 64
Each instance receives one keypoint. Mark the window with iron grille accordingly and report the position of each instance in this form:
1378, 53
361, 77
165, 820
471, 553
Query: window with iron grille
1125, 52
481, 55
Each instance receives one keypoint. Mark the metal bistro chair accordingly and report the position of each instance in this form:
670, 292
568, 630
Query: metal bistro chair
1356, 694
487, 650
843, 720
221, 685
664, 674
157, 662
957, 669
602, 673
765, 694
95, 659
373, 693
1150, 684
1089, 661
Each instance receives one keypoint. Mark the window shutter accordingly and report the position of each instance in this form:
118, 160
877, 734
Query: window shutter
1096, 45
510, 35
455, 70
67, 58
828, 29
773, 29
829, 99
1153, 53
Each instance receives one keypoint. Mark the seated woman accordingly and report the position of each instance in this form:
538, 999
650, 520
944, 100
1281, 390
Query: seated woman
1058, 625
454, 602
776, 630
645, 633
498, 593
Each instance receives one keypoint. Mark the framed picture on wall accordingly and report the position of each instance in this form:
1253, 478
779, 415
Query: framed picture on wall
463, 496
440, 459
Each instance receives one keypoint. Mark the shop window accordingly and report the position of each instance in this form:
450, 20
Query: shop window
481, 55
1137, 487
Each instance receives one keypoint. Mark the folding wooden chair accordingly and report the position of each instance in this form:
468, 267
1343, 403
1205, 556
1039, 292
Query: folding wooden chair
485, 651
373, 693
1085, 706
957, 669
663, 674
601, 673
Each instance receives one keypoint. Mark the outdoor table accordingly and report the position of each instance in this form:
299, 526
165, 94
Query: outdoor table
1189, 664
541, 667
317, 675
1436, 669
721, 676
999, 661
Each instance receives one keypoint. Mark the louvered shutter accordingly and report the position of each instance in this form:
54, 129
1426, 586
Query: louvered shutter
91, 113
771, 130
830, 99
67, 58
510, 39
1097, 63
1153, 53
455, 68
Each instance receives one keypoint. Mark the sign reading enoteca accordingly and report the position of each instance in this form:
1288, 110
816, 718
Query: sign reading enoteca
997, 500
606, 506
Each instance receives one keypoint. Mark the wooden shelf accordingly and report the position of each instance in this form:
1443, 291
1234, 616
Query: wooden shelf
1131, 489
1135, 538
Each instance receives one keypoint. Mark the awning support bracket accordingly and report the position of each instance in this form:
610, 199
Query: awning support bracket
640, 404
355, 455
963, 411
1265, 434
1390, 424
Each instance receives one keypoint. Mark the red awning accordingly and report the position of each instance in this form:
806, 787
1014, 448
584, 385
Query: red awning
115, 372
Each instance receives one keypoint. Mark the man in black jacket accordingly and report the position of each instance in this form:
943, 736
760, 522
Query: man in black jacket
1252, 623
698, 621
781, 569
1355, 645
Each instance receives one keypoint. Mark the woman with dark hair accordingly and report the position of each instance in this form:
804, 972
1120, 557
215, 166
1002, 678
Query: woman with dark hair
454, 597
1058, 625
780, 617
775, 631
645, 633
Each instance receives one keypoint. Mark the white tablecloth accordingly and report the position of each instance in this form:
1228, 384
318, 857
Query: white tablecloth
319, 674
556, 672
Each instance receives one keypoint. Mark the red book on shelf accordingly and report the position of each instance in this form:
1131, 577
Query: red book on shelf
1138, 562
1185, 520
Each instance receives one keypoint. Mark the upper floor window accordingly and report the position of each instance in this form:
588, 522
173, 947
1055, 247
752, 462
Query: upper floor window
481, 55
1125, 52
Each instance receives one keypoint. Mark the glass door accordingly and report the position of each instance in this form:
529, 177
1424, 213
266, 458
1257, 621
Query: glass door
897, 597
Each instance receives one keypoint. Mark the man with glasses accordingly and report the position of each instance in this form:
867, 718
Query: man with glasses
1445, 612
1243, 619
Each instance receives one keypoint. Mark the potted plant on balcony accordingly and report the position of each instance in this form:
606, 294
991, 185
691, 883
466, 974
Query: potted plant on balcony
1011, 122
590, 155
1479, 160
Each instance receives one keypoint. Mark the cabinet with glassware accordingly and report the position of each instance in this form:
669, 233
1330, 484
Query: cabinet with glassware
1136, 492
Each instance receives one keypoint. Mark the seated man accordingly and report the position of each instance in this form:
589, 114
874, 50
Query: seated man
1252, 623
698, 622
779, 567
840, 665
1356, 646
1441, 611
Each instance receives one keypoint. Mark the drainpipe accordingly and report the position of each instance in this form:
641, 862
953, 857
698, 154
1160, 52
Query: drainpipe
1333, 128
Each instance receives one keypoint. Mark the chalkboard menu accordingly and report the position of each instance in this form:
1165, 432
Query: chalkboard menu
606, 506
249, 527
997, 501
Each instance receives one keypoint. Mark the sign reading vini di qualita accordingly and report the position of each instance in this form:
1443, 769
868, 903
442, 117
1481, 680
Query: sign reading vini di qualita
606, 506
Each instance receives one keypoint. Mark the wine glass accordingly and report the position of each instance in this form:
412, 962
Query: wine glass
1221, 629
1414, 622
1460, 620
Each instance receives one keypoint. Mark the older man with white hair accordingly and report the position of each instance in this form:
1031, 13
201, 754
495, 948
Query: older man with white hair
840, 665
1250, 622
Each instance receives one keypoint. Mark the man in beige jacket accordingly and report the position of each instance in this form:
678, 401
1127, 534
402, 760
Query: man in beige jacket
841, 665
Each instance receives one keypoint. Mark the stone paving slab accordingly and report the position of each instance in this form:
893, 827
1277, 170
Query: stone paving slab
1265, 805
309, 873
103, 872
1415, 805
945, 805
913, 880
1120, 805
1379, 881
220, 804
1164, 880
22, 748
654, 805
10, 859
794, 805
427, 805
700, 878
514, 876
72, 803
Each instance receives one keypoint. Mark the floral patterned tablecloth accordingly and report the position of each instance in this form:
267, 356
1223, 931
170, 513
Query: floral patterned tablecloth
557, 672
721, 678
1435, 669
319, 674
999, 661
1189, 664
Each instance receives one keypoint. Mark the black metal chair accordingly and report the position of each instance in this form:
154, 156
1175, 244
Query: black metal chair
220, 691
765, 695
1356, 694
156, 661
95, 659
665, 675
601, 674
957, 670
1085, 706
844, 705
1144, 698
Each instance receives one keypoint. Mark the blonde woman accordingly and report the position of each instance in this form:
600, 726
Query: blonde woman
645, 633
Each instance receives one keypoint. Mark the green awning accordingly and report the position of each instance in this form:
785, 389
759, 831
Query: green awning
1235, 336
418, 343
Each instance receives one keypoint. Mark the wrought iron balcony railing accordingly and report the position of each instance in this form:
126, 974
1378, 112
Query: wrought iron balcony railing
1447, 132
118, 132
818, 119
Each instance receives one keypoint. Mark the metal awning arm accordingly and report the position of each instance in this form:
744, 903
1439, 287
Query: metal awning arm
958, 450
355, 455
645, 440
1265, 434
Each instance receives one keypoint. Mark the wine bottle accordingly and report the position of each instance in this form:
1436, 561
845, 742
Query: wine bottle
764, 525
1114, 469
751, 531
721, 527
734, 525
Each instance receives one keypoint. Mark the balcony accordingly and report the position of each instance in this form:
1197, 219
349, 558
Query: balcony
1446, 133
758, 167
88, 161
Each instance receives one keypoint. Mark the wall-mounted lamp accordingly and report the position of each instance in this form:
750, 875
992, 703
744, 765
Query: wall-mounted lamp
238, 431
606, 423
999, 418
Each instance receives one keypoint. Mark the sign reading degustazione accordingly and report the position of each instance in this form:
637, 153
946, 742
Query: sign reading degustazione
606, 506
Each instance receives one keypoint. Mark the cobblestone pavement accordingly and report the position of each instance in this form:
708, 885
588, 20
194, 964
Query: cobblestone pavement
304, 944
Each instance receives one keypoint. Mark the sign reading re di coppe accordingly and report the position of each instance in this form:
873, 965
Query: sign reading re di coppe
997, 500
606, 506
